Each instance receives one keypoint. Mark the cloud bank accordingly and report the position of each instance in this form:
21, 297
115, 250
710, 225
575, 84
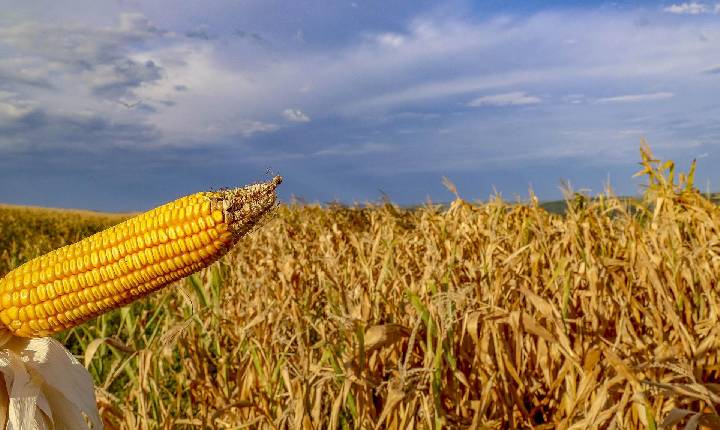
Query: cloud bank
393, 100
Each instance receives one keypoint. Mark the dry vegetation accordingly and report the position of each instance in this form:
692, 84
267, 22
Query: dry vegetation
480, 316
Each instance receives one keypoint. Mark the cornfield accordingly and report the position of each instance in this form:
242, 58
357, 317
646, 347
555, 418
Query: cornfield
484, 316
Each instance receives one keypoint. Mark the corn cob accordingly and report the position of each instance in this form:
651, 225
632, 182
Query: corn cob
73, 284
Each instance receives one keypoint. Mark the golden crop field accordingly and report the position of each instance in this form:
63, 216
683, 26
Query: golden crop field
484, 316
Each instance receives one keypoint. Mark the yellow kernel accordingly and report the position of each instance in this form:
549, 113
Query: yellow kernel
16, 298
73, 299
15, 324
34, 326
58, 305
204, 238
103, 274
218, 216
6, 300
74, 285
40, 311
22, 315
66, 302
123, 266
49, 275
30, 312
143, 258
50, 289
24, 296
12, 312
136, 262
52, 321
34, 297
44, 324
49, 308
24, 330
4, 317
116, 270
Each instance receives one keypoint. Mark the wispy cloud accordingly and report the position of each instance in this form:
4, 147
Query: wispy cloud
295, 115
200, 32
516, 98
352, 150
636, 98
690, 8
712, 70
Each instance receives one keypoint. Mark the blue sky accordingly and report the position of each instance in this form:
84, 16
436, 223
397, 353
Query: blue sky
125, 105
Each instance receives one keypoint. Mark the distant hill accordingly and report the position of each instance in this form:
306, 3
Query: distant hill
560, 206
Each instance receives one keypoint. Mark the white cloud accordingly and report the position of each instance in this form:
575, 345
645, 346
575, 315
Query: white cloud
516, 98
691, 8
295, 115
634, 98
248, 128
390, 39
10, 111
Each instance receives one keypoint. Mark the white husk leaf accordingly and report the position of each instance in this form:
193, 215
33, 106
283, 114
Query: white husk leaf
44, 387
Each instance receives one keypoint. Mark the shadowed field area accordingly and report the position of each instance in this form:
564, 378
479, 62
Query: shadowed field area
490, 315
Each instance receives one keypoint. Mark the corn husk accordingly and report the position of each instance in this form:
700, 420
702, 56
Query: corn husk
44, 387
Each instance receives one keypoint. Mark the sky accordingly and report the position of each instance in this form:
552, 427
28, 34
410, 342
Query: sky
124, 105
